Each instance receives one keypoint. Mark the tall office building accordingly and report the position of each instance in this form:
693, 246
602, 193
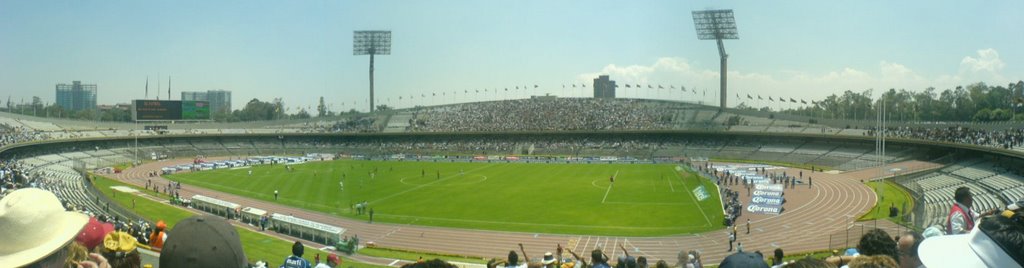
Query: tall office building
76, 96
220, 100
603, 87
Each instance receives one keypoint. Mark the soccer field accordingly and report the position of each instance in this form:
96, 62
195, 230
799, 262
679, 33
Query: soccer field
644, 200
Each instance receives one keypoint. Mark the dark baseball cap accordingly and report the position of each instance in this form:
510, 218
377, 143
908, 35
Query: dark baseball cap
743, 259
203, 241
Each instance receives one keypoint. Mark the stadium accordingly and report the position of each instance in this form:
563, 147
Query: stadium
441, 168
66, 152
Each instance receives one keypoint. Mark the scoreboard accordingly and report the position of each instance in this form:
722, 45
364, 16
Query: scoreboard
167, 110
195, 110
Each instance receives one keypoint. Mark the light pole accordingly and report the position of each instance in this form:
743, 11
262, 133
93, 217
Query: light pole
371, 43
717, 25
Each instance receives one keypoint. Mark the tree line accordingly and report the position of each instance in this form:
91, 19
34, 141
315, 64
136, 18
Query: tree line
976, 102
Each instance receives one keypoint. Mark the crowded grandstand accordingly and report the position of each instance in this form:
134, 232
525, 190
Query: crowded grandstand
61, 159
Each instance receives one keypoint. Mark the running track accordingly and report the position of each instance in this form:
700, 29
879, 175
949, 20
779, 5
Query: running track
831, 206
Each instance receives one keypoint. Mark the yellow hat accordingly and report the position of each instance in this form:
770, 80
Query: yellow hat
119, 242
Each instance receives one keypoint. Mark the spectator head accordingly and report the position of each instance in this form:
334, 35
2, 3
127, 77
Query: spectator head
877, 242
298, 249
597, 256
778, 256
203, 241
908, 244
661, 264
626, 262
549, 259
160, 225
36, 229
963, 196
809, 262
682, 258
641, 262
933, 231
513, 258
873, 261
93, 233
996, 242
435, 263
743, 259
120, 250
333, 260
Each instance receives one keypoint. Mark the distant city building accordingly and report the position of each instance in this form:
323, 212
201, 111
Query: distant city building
220, 100
603, 87
76, 96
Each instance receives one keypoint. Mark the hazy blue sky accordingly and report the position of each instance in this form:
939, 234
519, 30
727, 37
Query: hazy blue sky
301, 50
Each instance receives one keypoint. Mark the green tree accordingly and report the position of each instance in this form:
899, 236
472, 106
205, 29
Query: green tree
88, 114
256, 110
302, 114
116, 115
1001, 115
54, 110
983, 115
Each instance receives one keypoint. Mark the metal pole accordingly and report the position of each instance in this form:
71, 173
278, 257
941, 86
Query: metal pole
371, 82
136, 142
723, 96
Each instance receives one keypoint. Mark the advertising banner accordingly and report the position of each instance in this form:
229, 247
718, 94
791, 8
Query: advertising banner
764, 209
764, 200
700, 193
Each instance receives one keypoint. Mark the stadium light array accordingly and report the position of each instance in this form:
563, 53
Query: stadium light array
371, 43
717, 25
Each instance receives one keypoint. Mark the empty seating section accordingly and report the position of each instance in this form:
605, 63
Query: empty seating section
814, 149
776, 149
973, 173
847, 152
1002, 182
703, 116
938, 181
855, 164
398, 123
991, 187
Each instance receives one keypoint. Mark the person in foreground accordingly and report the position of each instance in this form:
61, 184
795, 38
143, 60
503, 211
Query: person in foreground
36, 231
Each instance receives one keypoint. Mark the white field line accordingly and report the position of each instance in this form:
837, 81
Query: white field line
670, 185
708, 221
609, 187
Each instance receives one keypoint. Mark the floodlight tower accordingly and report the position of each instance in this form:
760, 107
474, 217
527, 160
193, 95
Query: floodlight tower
717, 25
371, 43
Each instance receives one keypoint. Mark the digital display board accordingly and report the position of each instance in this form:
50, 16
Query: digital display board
195, 110
157, 110
167, 110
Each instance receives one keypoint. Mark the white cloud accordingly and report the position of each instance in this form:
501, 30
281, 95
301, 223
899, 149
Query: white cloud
894, 70
987, 61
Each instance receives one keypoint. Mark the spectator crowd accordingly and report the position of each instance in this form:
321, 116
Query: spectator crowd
11, 135
541, 114
1005, 139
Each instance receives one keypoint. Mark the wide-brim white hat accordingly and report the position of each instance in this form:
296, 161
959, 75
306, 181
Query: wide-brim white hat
34, 225
974, 249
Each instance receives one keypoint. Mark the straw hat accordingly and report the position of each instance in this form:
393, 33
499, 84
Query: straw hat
34, 225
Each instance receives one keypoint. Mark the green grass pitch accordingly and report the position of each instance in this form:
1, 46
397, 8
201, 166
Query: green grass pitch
645, 200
